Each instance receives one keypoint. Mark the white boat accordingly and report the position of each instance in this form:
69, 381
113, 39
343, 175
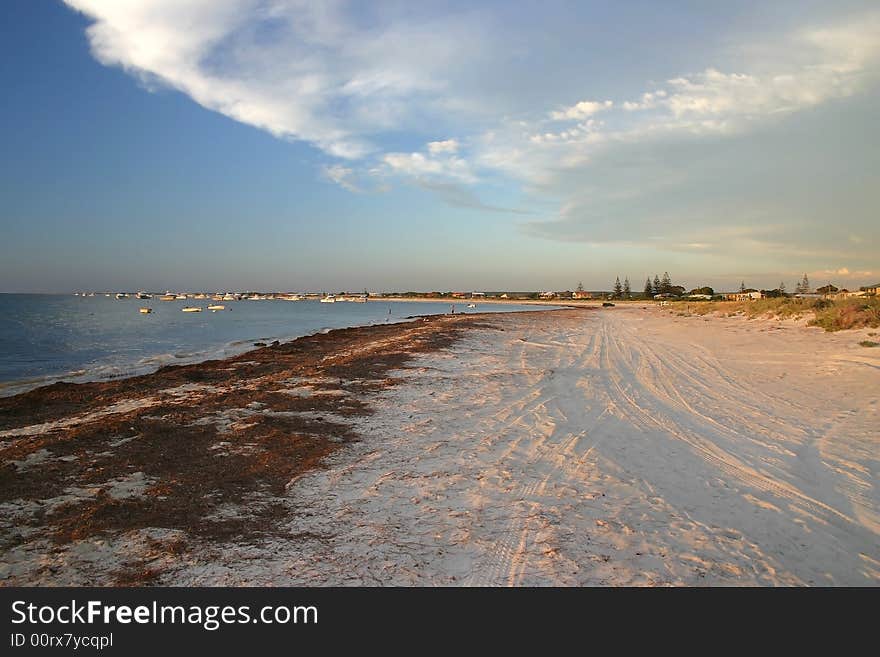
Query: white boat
228, 297
180, 297
472, 305
191, 309
144, 295
121, 295
145, 311
329, 299
216, 306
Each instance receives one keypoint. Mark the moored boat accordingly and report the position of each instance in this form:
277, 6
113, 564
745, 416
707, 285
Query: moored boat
145, 311
329, 299
191, 309
217, 306
121, 295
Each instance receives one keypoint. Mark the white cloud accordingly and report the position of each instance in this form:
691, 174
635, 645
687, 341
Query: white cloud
418, 165
341, 175
448, 146
581, 110
299, 70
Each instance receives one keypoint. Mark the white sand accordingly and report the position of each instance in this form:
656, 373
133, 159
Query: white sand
610, 447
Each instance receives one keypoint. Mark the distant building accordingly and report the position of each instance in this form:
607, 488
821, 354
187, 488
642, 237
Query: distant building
704, 297
478, 295
871, 289
581, 294
747, 295
547, 295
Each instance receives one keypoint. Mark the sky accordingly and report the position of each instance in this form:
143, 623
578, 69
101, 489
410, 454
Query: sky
290, 145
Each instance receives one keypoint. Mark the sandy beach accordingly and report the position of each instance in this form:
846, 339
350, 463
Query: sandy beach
621, 446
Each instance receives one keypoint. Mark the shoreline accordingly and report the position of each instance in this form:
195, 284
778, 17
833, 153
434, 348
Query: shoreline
153, 362
189, 454
623, 447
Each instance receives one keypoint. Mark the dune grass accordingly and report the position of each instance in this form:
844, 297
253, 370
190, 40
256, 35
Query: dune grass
832, 315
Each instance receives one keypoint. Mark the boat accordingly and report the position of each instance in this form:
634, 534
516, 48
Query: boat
143, 295
181, 297
216, 306
167, 297
191, 309
472, 305
121, 295
199, 296
329, 299
229, 297
145, 311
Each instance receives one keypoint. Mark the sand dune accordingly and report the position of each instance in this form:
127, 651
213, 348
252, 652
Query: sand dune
620, 447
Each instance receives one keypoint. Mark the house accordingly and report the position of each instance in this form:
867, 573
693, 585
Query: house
478, 295
704, 297
459, 295
745, 295
871, 289
547, 295
581, 294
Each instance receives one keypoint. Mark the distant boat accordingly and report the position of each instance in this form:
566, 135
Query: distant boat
329, 299
121, 295
145, 311
216, 307
229, 297
167, 297
199, 296
472, 305
144, 295
180, 297
191, 309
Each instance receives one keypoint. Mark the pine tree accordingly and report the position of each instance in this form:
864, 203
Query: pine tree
805, 285
617, 289
656, 284
649, 291
666, 283
626, 290
742, 286
580, 287
782, 287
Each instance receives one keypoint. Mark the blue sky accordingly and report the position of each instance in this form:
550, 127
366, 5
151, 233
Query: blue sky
275, 144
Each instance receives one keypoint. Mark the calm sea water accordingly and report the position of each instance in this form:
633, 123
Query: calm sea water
46, 338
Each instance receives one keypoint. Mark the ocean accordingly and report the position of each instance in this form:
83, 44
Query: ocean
46, 338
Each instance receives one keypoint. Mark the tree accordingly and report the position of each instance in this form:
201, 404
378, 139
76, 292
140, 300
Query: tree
666, 283
782, 288
649, 291
703, 290
805, 285
580, 287
617, 289
656, 284
626, 289
742, 286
